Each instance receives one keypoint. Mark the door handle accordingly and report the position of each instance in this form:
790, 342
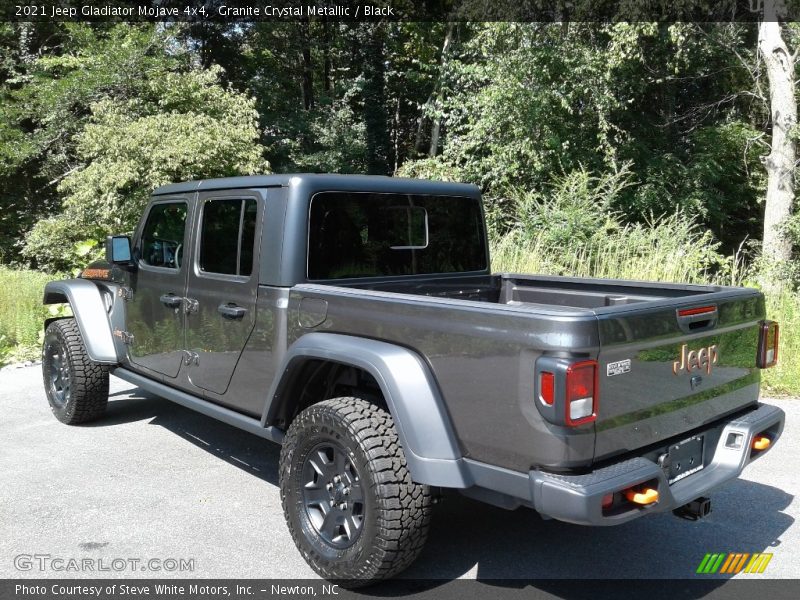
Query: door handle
171, 300
231, 311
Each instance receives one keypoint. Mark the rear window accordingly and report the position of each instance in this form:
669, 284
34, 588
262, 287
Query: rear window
372, 235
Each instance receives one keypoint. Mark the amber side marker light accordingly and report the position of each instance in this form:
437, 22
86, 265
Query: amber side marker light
642, 496
761, 442
96, 274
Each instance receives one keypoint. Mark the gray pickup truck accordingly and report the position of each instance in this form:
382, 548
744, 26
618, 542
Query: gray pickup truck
355, 320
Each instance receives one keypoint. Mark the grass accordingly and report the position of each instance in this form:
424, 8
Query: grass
784, 378
22, 314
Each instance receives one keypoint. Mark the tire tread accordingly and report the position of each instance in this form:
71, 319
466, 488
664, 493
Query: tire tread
89, 380
404, 507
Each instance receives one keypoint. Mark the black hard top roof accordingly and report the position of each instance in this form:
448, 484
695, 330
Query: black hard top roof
313, 182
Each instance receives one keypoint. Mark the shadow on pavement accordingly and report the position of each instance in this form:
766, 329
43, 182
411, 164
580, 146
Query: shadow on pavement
248, 452
519, 545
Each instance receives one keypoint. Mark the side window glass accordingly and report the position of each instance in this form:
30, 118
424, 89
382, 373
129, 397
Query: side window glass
248, 237
162, 237
219, 238
227, 237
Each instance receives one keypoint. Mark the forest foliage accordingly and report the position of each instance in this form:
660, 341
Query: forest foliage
93, 116
636, 141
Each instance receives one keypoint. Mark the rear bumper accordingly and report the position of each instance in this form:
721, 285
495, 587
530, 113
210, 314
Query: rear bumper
578, 498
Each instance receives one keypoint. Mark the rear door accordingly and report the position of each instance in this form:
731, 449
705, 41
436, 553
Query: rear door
222, 287
155, 315
663, 374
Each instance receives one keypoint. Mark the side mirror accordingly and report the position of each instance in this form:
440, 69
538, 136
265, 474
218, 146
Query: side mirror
118, 250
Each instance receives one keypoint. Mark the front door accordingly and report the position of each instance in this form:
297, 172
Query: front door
155, 314
222, 286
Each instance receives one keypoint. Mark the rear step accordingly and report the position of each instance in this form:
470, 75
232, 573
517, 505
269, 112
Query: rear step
696, 509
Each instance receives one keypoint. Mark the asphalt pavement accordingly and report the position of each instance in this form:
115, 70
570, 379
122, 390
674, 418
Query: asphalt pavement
166, 492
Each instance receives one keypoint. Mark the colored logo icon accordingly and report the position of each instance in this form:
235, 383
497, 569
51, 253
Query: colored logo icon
735, 562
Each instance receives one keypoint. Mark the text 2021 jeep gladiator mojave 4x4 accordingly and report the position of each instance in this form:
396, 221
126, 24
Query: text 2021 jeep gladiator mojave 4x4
355, 321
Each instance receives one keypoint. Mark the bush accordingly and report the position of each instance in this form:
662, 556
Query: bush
670, 249
573, 229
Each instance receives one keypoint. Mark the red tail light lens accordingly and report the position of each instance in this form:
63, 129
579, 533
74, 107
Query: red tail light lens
547, 388
581, 406
768, 345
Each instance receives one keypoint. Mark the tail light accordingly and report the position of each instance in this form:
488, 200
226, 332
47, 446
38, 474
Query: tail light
566, 390
581, 393
547, 388
768, 345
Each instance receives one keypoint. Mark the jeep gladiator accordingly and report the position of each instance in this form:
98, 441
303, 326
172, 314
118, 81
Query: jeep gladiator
355, 320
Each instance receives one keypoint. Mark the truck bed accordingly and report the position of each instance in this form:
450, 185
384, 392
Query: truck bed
513, 289
482, 336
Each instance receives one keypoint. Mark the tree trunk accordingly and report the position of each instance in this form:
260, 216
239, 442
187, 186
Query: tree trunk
780, 162
437, 121
308, 67
326, 55
376, 119
421, 125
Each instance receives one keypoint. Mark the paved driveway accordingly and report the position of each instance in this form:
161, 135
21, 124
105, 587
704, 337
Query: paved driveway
156, 481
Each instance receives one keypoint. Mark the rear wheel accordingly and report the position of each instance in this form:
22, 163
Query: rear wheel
76, 387
350, 504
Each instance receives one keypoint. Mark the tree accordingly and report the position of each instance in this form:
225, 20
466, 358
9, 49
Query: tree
375, 114
56, 72
186, 127
780, 163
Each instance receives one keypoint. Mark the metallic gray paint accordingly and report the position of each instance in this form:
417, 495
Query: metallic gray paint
260, 362
482, 357
84, 297
158, 330
218, 341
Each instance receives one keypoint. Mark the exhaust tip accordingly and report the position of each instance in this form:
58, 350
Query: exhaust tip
696, 509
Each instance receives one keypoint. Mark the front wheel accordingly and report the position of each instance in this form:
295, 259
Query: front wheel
348, 498
76, 387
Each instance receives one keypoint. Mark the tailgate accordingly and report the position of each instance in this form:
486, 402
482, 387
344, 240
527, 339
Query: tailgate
665, 370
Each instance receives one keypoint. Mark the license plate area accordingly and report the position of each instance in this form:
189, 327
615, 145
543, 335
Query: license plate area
685, 458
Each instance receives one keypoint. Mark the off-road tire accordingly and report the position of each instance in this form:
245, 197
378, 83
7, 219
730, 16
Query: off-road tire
76, 387
396, 511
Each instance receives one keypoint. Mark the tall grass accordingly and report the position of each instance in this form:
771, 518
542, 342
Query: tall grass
784, 378
668, 250
21, 312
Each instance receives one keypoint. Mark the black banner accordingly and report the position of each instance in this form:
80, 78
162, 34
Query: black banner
263, 589
401, 10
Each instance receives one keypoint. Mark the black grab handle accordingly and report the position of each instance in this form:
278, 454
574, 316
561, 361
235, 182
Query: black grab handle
231, 311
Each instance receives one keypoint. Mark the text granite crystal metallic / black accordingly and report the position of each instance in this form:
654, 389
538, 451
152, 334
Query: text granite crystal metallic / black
355, 320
